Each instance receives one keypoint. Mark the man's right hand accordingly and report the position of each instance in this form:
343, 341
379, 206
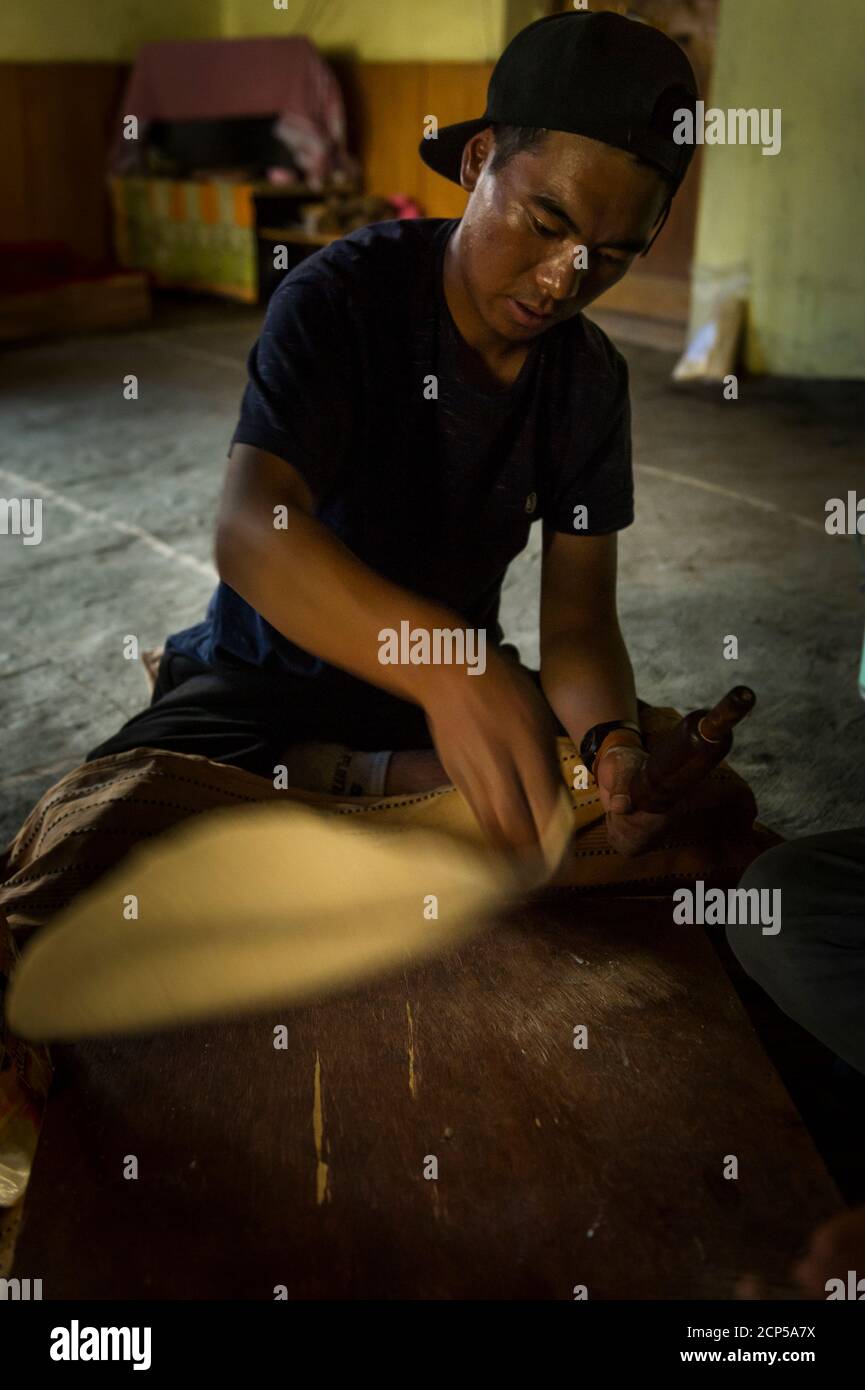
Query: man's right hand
495, 737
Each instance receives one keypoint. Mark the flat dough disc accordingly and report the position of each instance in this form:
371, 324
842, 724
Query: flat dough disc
239, 910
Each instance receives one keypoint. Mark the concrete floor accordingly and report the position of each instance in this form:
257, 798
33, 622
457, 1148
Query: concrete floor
729, 539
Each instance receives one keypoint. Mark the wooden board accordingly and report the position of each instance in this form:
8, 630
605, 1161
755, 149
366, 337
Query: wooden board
113, 301
304, 1167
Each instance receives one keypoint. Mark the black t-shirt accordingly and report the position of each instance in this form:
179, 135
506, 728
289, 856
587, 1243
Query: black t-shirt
432, 482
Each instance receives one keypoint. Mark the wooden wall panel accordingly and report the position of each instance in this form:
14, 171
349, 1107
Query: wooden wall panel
383, 114
454, 92
15, 220
386, 104
52, 184
72, 115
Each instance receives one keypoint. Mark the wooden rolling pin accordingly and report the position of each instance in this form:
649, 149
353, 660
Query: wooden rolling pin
696, 745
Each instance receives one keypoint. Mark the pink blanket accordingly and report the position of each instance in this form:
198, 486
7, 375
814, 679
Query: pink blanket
214, 79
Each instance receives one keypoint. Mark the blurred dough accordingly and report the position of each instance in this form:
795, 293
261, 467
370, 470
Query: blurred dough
238, 910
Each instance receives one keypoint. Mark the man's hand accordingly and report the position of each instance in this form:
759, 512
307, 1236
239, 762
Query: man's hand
495, 737
629, 831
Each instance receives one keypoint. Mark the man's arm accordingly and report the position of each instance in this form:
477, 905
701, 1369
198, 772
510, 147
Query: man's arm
306, 583
586, 672
491, 731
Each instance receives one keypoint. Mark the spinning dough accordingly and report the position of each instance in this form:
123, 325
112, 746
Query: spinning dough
239, 910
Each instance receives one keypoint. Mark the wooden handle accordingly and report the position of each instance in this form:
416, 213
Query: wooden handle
728, 712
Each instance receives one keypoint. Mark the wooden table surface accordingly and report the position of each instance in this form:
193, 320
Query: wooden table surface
304, 1166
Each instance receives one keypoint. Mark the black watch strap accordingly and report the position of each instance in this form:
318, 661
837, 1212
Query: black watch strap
590, 746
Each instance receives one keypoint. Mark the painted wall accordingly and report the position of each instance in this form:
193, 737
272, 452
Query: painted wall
380, 30
46, 31
790, 223
519, 13
374, 30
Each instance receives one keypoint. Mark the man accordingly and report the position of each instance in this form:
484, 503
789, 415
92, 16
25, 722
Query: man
420, 394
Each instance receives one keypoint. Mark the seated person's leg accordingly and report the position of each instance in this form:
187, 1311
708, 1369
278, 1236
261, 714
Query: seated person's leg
234, 718
197, 709
814, 968
335, 770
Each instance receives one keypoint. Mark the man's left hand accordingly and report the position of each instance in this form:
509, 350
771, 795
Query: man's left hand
629, 831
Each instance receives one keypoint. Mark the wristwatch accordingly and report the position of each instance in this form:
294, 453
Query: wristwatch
591, 744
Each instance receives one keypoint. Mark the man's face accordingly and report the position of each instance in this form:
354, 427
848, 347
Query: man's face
524, 225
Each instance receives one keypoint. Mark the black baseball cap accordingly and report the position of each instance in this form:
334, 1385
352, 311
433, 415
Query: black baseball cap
599, 74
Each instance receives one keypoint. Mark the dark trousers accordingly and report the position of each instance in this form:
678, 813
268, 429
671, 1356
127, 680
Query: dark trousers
814, 968
240, 716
